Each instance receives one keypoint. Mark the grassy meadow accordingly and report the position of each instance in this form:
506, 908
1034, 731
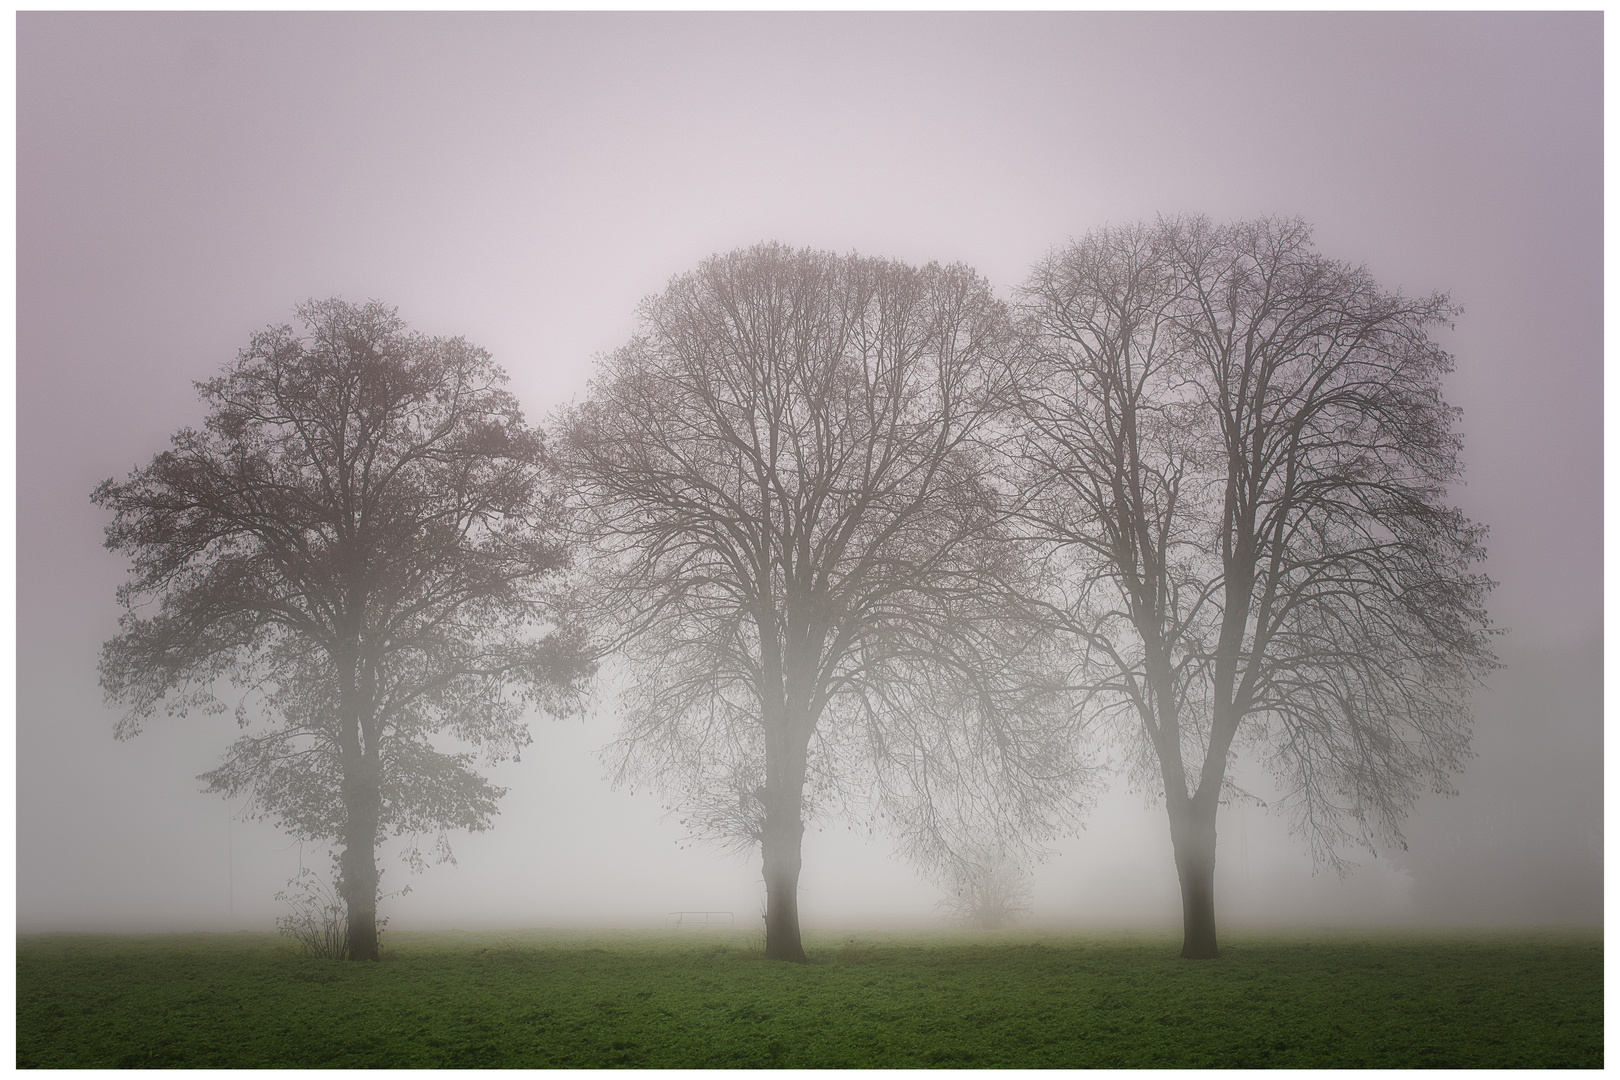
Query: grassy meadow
710, 1000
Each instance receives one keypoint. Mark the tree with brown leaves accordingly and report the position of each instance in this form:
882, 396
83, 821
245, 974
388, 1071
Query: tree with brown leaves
360, 541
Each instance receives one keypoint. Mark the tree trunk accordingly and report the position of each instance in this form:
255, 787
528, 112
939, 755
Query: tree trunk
782, 843
1193, 836
362, 799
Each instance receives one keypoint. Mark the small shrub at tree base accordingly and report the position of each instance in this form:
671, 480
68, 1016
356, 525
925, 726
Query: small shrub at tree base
319, 920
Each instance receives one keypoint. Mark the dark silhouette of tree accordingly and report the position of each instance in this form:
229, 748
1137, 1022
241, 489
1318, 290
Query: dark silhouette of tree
359, 541
805, 562
1240, 451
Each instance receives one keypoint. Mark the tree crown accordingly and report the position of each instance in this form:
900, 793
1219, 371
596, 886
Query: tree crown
360, 497
785, 485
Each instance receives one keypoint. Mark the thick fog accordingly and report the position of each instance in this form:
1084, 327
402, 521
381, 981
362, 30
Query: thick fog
526, 179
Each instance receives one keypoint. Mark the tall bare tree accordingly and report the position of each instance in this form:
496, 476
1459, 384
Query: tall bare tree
1241, 452
804, 559
359, 540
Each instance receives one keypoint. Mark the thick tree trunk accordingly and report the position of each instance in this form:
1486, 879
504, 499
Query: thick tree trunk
362, 799
1192, 831
782, 844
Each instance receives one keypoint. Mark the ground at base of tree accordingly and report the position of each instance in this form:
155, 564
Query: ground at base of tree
1386, 999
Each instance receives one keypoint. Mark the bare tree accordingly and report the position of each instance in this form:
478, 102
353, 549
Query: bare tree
987, 887
359, 540
806, 563
1241, 452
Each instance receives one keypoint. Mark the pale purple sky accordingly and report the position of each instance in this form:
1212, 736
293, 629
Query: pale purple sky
525, 179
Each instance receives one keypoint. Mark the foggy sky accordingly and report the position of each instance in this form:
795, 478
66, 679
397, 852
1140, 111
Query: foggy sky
525, 179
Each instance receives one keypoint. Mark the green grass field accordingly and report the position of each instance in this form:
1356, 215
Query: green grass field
1024, 1000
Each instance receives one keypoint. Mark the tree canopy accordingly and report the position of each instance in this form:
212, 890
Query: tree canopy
806, 563
859, 537
358, 547
1241, 450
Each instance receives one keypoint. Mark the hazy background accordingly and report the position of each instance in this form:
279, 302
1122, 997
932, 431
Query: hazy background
525, 179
